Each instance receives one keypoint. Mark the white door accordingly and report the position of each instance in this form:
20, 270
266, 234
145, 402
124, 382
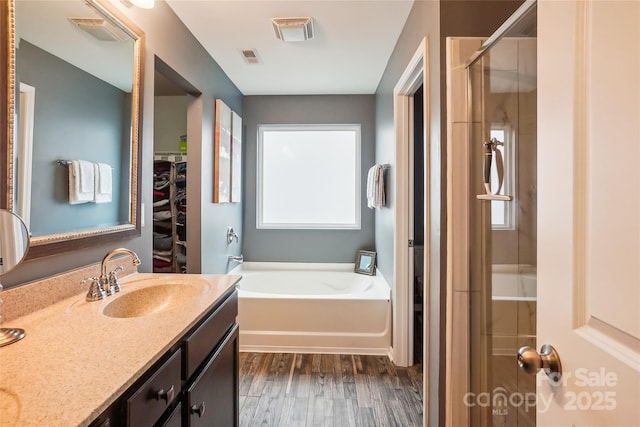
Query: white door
589, 210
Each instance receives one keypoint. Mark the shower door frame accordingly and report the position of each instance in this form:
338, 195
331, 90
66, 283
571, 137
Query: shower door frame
457, 370
461, 53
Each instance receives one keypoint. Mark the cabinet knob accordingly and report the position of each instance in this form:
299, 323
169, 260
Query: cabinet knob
198, 409
167, 395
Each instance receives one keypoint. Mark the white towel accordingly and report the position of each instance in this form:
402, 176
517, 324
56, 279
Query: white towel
375, 187
380, 195
371, 182
81, 182
103, 183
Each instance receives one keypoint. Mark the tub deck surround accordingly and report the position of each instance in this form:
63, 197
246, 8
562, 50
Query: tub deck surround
75, 361
312, 308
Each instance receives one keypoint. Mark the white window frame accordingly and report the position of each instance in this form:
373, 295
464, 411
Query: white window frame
509, 184
261, 224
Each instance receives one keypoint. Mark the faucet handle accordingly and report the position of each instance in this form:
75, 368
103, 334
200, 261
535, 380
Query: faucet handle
95, 290
114, 284
231, 235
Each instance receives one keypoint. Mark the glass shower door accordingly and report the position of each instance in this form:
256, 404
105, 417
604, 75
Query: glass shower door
502, 83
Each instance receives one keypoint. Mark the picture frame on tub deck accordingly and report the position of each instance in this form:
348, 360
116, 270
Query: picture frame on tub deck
222, 154
366, 263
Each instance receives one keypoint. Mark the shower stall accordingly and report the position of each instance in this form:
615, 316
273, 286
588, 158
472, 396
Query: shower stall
502, 186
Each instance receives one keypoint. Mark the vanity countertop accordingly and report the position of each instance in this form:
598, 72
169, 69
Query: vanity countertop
75, 361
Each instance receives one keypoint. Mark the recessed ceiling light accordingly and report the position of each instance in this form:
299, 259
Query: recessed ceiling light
293, 29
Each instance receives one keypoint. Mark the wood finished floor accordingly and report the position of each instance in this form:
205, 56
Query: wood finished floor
304, 390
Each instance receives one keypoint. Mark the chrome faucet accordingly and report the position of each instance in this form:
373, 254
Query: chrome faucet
237, 258
109, 282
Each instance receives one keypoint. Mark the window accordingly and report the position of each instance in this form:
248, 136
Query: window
503, 214
308, 177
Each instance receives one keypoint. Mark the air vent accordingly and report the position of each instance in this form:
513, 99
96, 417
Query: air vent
100, 29
293, 29
250, 56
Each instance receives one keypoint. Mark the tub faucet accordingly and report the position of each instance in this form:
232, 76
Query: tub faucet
109, 282
237, 258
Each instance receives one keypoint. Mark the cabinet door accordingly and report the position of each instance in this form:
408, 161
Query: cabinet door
212, 399
175, 419
153, 397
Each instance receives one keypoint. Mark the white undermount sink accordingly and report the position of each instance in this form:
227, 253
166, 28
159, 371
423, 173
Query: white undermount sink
154, 298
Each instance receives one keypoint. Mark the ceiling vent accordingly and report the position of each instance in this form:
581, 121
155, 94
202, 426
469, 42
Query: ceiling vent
293, 29
250, 56
100, 29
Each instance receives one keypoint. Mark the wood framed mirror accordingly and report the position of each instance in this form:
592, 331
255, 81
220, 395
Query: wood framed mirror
73, 91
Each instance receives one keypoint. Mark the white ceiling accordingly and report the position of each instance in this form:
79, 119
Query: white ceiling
352, 45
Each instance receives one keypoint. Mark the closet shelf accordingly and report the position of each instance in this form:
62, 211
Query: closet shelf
169, 207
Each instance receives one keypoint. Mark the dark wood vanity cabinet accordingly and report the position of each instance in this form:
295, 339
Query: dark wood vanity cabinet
194, 384
208, 399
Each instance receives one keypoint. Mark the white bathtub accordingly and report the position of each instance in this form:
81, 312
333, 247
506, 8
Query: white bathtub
312, 308
513, 307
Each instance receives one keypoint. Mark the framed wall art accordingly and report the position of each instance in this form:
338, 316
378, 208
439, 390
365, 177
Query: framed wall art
236, 158
222, 154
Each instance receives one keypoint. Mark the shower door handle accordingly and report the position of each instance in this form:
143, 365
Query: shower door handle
490, 149
530, 361
486, 169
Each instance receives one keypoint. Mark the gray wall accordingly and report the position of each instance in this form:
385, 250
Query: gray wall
170, 40
169, 122
423, 21
77, 117
306, 245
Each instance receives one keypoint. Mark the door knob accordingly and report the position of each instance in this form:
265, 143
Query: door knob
530, 361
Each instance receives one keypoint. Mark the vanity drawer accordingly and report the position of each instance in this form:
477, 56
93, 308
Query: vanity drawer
204, 339
153, 397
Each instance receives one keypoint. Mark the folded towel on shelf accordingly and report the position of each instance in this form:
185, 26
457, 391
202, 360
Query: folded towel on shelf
375, 187
103, 183
162, 254
160, 203
81, 182
162, 215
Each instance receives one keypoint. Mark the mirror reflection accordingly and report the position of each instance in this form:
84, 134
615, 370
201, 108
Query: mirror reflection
75, 132
14, 241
